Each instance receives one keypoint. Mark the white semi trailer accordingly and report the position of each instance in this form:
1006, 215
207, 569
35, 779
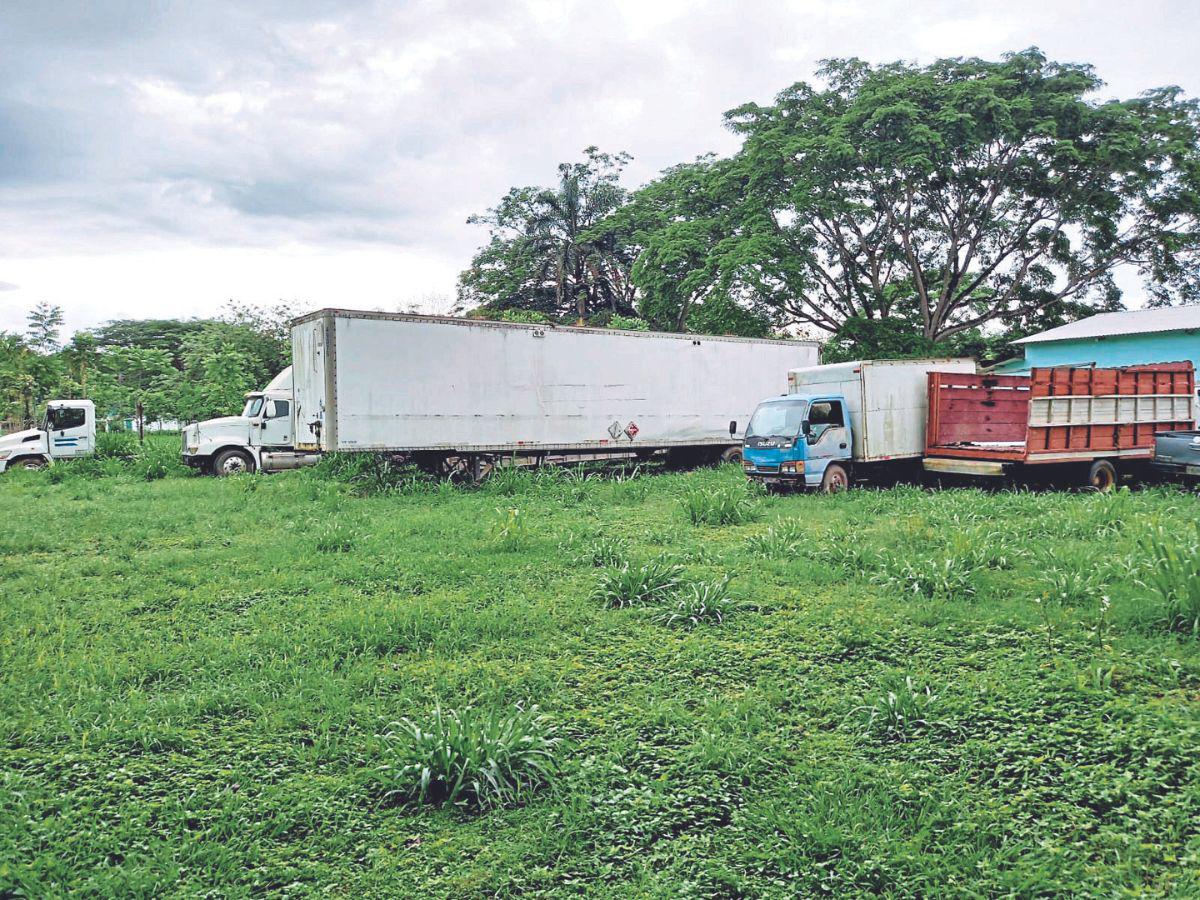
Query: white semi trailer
461, 394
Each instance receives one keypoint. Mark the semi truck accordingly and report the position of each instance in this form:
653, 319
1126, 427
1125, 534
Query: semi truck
1066, 424
843, 422
458, 396
67, 431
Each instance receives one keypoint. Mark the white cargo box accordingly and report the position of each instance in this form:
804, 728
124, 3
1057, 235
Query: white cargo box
379, 381
887, 401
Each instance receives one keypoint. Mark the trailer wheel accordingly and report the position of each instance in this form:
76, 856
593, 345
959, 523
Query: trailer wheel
1102, 476
232, 462
835, 480
732, 455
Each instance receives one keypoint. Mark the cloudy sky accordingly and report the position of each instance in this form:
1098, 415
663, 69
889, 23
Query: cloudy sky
161, 157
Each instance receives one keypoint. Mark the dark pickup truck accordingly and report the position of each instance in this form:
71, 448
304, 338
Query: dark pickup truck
1177, 454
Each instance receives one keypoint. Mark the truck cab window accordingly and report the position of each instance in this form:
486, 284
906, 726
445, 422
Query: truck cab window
278, 409
824, 415
775, 420
253, 407
64, 417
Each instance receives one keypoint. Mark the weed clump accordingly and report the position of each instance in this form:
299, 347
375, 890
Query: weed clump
629, 586
719, 506
509, 531
784, 538
1174, 577
475, 757
335, 537
898, 712
945, 578
370, 474
699, 603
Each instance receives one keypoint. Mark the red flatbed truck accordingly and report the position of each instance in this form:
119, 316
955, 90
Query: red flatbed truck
1064, 424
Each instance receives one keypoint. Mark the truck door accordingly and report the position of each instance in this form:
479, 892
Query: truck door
276, 428
827, 435
70, 432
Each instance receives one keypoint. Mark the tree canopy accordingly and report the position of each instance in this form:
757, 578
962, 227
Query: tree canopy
952, 196
546, 252
177, 369
891, 206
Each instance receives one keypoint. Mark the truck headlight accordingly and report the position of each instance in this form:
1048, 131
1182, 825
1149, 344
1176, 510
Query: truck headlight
792, 468
5, 454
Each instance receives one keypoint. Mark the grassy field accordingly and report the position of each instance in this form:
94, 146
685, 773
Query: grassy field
887, 692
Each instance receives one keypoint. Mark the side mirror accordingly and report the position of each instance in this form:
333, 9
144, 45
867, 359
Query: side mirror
733, 428
806, 428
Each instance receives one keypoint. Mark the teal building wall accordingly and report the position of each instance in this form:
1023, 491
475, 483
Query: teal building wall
1112, 350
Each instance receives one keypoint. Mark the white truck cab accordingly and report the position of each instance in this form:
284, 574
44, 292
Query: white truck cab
260, 439
67, 431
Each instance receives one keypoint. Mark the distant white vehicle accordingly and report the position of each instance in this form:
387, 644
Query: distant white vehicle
464, 394
68, 431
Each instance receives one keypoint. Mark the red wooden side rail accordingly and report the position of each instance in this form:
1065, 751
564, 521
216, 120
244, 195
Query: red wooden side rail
1058, 414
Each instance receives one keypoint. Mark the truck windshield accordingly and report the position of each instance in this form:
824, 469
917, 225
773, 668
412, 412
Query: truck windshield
777, 419
253, 407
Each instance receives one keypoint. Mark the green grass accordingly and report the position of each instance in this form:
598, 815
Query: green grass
205, 687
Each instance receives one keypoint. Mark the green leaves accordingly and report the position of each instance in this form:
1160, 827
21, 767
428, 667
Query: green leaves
473, 757
553, 250
984, 190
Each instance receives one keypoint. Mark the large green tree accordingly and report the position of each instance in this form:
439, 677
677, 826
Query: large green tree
545, 252
941, 199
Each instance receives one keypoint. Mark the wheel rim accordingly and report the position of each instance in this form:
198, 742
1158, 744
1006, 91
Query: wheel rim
837, 482
1102, 480
234, 465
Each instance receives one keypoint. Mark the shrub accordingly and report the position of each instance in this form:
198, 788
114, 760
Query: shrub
628, 323
476, 757
368, 474
116, 445
719, 506
156, 460
934, 578
699, 603
1174, 576
629, 586
507, 481
898, 712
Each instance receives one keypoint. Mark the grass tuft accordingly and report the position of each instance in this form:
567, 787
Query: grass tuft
1174, 577
719, 506
479, 758
698, 603
898, 712
629, 586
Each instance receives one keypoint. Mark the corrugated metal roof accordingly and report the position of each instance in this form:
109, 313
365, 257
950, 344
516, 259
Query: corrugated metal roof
1134, 321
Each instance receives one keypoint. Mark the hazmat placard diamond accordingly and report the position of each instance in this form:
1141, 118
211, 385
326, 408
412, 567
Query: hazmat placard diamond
615, 430
631, 429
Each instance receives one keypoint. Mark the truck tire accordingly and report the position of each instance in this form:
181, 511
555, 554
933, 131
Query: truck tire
835, 480
1102, 476
232, 462
732, 455
31, 462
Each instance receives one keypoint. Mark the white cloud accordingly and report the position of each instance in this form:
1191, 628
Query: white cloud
179, 154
